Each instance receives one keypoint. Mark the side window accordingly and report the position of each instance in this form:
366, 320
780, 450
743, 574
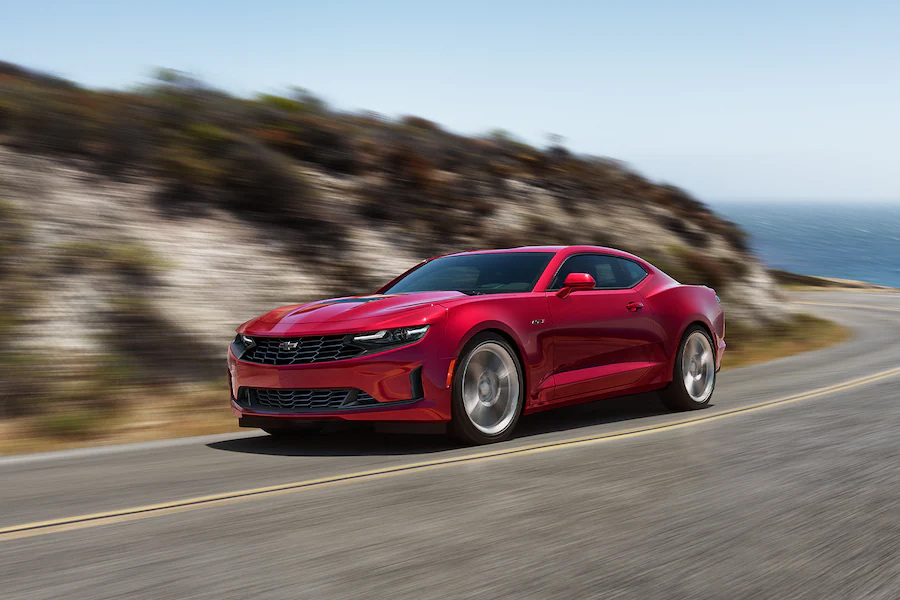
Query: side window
610, 272
634, 272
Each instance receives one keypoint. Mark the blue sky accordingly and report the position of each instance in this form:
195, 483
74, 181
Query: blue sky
727, 99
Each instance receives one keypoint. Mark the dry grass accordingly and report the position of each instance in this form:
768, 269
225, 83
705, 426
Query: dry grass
749, 346
169, 413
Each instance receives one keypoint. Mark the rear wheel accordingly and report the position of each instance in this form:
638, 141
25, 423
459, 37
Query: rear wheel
488, 391
694, 376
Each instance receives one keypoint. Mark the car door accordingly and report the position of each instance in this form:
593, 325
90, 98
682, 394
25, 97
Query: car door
601, 338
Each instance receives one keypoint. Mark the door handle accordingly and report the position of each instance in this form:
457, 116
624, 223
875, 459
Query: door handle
634, 306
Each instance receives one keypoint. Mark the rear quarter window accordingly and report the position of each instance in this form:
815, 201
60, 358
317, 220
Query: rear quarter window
634, 272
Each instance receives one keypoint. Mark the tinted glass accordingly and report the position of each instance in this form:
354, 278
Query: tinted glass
610, 272
634, 272
477, 273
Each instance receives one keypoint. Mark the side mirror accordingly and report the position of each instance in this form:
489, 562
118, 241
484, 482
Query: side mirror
576, 281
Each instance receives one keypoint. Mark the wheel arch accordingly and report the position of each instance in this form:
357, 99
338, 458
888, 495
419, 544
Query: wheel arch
703, 324
462, 425
682, 306
515, 346
508, 338
695, 320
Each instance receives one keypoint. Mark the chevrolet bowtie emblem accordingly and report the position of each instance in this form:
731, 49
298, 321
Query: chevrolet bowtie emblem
288, 345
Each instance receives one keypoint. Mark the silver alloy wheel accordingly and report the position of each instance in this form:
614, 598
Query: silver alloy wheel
698, 367
490, 388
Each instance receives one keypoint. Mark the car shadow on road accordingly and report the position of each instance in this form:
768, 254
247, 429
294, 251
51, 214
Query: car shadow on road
367, 442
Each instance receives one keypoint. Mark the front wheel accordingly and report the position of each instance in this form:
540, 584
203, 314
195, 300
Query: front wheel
694, 376
488, 391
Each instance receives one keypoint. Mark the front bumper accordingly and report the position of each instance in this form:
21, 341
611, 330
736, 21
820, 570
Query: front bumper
390, 377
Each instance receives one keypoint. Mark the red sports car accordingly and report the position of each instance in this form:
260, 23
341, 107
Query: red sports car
476, 339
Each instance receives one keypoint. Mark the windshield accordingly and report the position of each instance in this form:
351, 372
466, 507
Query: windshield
503, 272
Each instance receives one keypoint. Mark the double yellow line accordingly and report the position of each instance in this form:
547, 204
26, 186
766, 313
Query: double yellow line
151, 510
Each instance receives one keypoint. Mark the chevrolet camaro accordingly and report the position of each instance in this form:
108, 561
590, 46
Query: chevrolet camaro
470, 342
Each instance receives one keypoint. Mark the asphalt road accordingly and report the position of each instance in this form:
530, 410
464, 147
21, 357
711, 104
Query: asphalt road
789, 487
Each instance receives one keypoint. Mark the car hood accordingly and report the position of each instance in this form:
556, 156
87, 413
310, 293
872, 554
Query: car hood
363, 311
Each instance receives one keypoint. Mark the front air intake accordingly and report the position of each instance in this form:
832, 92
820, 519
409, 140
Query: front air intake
305, 400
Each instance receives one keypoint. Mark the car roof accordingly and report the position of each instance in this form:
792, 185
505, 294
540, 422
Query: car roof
561, 253
555, 249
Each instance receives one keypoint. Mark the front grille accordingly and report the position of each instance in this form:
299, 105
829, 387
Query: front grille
313, 349
306, 400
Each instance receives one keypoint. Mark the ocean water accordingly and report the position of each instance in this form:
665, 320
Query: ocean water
850, 240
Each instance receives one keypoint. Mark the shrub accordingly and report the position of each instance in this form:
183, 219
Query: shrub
737, 237
17, 293
420, 123
125, 258
209, 136
695, 268
151, 350
695, 236
281, 103
70, 423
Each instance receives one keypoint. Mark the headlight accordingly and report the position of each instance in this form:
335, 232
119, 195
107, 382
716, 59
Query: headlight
388, 338
241, 344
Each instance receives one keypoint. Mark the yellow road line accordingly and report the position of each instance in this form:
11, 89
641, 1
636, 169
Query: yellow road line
102, 518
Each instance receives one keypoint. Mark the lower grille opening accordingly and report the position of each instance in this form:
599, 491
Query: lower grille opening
305, 400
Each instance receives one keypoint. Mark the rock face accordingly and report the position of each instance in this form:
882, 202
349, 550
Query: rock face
111, 269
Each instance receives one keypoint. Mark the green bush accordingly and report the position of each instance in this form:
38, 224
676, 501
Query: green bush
691, 267
281, 103
72, 423
122, 257
210, 136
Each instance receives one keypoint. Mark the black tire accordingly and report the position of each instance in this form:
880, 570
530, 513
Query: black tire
675, 396
461, 425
